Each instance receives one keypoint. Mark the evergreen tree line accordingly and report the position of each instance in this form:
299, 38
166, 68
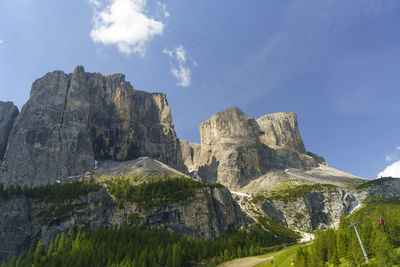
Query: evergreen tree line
155, 191
334, 246
143, 246
50, 193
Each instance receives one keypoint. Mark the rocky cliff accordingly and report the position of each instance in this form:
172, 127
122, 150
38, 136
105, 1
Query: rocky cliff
8, 113
207, 214
71, 120
235, 148
280, 131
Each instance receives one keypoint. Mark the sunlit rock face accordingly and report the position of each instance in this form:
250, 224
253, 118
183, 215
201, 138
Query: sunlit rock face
235, 148
71, 120
280, 131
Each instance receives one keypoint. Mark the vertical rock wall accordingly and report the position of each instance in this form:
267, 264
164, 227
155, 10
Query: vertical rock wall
8, 113
71, 120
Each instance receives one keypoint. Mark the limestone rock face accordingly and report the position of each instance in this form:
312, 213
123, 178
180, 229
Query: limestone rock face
8, 113
315, 210
71, 120
280, 131
190, 154
207, 214
231, 150
235, 148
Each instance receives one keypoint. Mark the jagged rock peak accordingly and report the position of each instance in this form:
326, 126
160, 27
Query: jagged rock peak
235, 148
79, 69
280, 131
229, 123
230, 150
8, 113
71, 120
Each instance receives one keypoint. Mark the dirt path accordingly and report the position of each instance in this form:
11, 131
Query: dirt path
247, 262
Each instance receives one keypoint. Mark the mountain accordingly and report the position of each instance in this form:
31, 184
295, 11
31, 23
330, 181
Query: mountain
89, 150
72, 120
235, 148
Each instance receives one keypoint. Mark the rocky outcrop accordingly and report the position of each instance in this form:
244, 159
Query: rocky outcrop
71, 120
24, 219
231, 151
235, 148
315, 210
190, 154
280, 131
8, 113
207, 214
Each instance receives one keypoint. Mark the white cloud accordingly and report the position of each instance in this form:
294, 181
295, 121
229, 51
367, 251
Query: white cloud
393, 156
392, 170
1, 41
95, 3
164, 9
390, 157
180, 54
181, 72
126, 24
168, 52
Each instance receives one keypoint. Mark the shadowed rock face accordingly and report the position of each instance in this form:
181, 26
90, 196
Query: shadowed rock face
8, 113
235, 148
71, 120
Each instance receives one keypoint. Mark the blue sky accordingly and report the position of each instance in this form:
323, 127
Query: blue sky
336, 63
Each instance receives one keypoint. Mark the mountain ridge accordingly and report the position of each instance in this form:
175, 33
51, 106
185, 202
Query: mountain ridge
97, 130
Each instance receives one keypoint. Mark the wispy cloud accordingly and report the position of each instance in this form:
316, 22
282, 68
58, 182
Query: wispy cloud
164, 9
1, 41
124, 23
394, 155
179, 68
392, 170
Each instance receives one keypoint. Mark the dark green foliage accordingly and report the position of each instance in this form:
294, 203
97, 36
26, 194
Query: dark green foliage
143, 246
51, 193
292, 193
332, 245
156, 191
375, 182
284, 235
